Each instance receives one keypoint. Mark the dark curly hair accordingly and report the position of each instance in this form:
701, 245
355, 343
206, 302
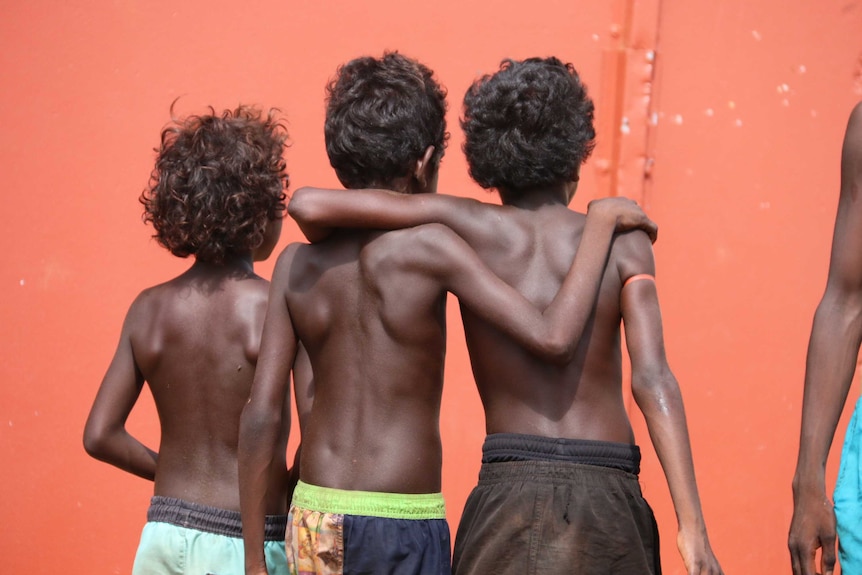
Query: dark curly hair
528, 125
381, 116
218, 180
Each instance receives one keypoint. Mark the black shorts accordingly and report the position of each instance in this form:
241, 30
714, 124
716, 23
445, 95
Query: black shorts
539, 509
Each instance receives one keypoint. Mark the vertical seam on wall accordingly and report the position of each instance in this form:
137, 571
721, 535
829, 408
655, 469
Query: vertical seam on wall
628, 74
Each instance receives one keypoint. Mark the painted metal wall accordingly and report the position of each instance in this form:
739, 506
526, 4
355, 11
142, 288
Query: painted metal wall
724, 119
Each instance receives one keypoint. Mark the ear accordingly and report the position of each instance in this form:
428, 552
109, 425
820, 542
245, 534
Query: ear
423, 167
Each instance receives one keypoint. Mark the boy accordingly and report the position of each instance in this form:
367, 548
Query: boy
558, 489
832, 357
369, 307
217, 193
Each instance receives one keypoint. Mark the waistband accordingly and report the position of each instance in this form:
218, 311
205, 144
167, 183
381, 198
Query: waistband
506, 447
209, 519
369, 503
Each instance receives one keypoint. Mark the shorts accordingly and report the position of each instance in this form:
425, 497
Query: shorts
182, 537
337, 532
848, 498
557, 506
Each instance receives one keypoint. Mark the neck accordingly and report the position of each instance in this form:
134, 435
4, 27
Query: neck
232, 263
534, 198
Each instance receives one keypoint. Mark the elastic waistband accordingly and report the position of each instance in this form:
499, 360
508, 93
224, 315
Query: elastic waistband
209, 519
506, 447
369, 503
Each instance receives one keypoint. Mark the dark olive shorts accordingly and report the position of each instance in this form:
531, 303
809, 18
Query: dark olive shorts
538, 509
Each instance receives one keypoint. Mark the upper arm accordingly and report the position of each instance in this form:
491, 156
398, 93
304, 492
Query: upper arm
640, 308
387, 210
120, 387
455, 266
845, 268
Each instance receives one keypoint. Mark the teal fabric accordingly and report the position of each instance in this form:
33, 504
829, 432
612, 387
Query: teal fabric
167, 549
848, 498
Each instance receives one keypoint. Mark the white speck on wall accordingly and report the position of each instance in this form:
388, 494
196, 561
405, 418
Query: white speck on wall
677, 119
10, 423
738, 123
783, 89
21, 282
650, 56
653, 119
625, 128
801, 69
731, 104
756, 35
595, 37
709, 112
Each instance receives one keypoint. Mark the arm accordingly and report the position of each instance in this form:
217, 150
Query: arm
554, 334
265, 416
657, 394
319, 211
832, 351
105, 435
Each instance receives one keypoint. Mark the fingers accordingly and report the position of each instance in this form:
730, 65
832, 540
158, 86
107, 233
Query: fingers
802, 561
651, 229
827, 556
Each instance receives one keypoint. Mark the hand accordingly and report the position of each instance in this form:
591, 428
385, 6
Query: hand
625, 214
697, 555
812, 526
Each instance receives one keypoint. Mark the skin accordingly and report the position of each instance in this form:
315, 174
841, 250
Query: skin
195, 341
369, 308
530, 242
832, 352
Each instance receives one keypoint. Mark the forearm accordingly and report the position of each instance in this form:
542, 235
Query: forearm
319, 211
661, 404
258, 439
122, 451
831, 362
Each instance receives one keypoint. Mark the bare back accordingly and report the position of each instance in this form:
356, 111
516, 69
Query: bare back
521, 392
195, 341
374, 329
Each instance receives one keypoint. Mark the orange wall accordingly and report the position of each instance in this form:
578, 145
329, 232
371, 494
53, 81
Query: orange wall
740, 120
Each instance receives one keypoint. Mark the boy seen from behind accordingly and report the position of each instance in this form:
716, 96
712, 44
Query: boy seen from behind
216, 193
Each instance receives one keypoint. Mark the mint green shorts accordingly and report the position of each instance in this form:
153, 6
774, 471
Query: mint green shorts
182, 537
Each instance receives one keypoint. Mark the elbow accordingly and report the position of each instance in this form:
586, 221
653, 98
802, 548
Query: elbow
656, 390
95, 441
300, 207
559, 351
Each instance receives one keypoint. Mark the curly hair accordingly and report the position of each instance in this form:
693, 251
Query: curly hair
528, 125
381, 116
217, 181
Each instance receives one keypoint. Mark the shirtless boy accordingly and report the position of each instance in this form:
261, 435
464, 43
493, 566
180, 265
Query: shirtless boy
558, 489
369, 308
216, 193
832, 356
